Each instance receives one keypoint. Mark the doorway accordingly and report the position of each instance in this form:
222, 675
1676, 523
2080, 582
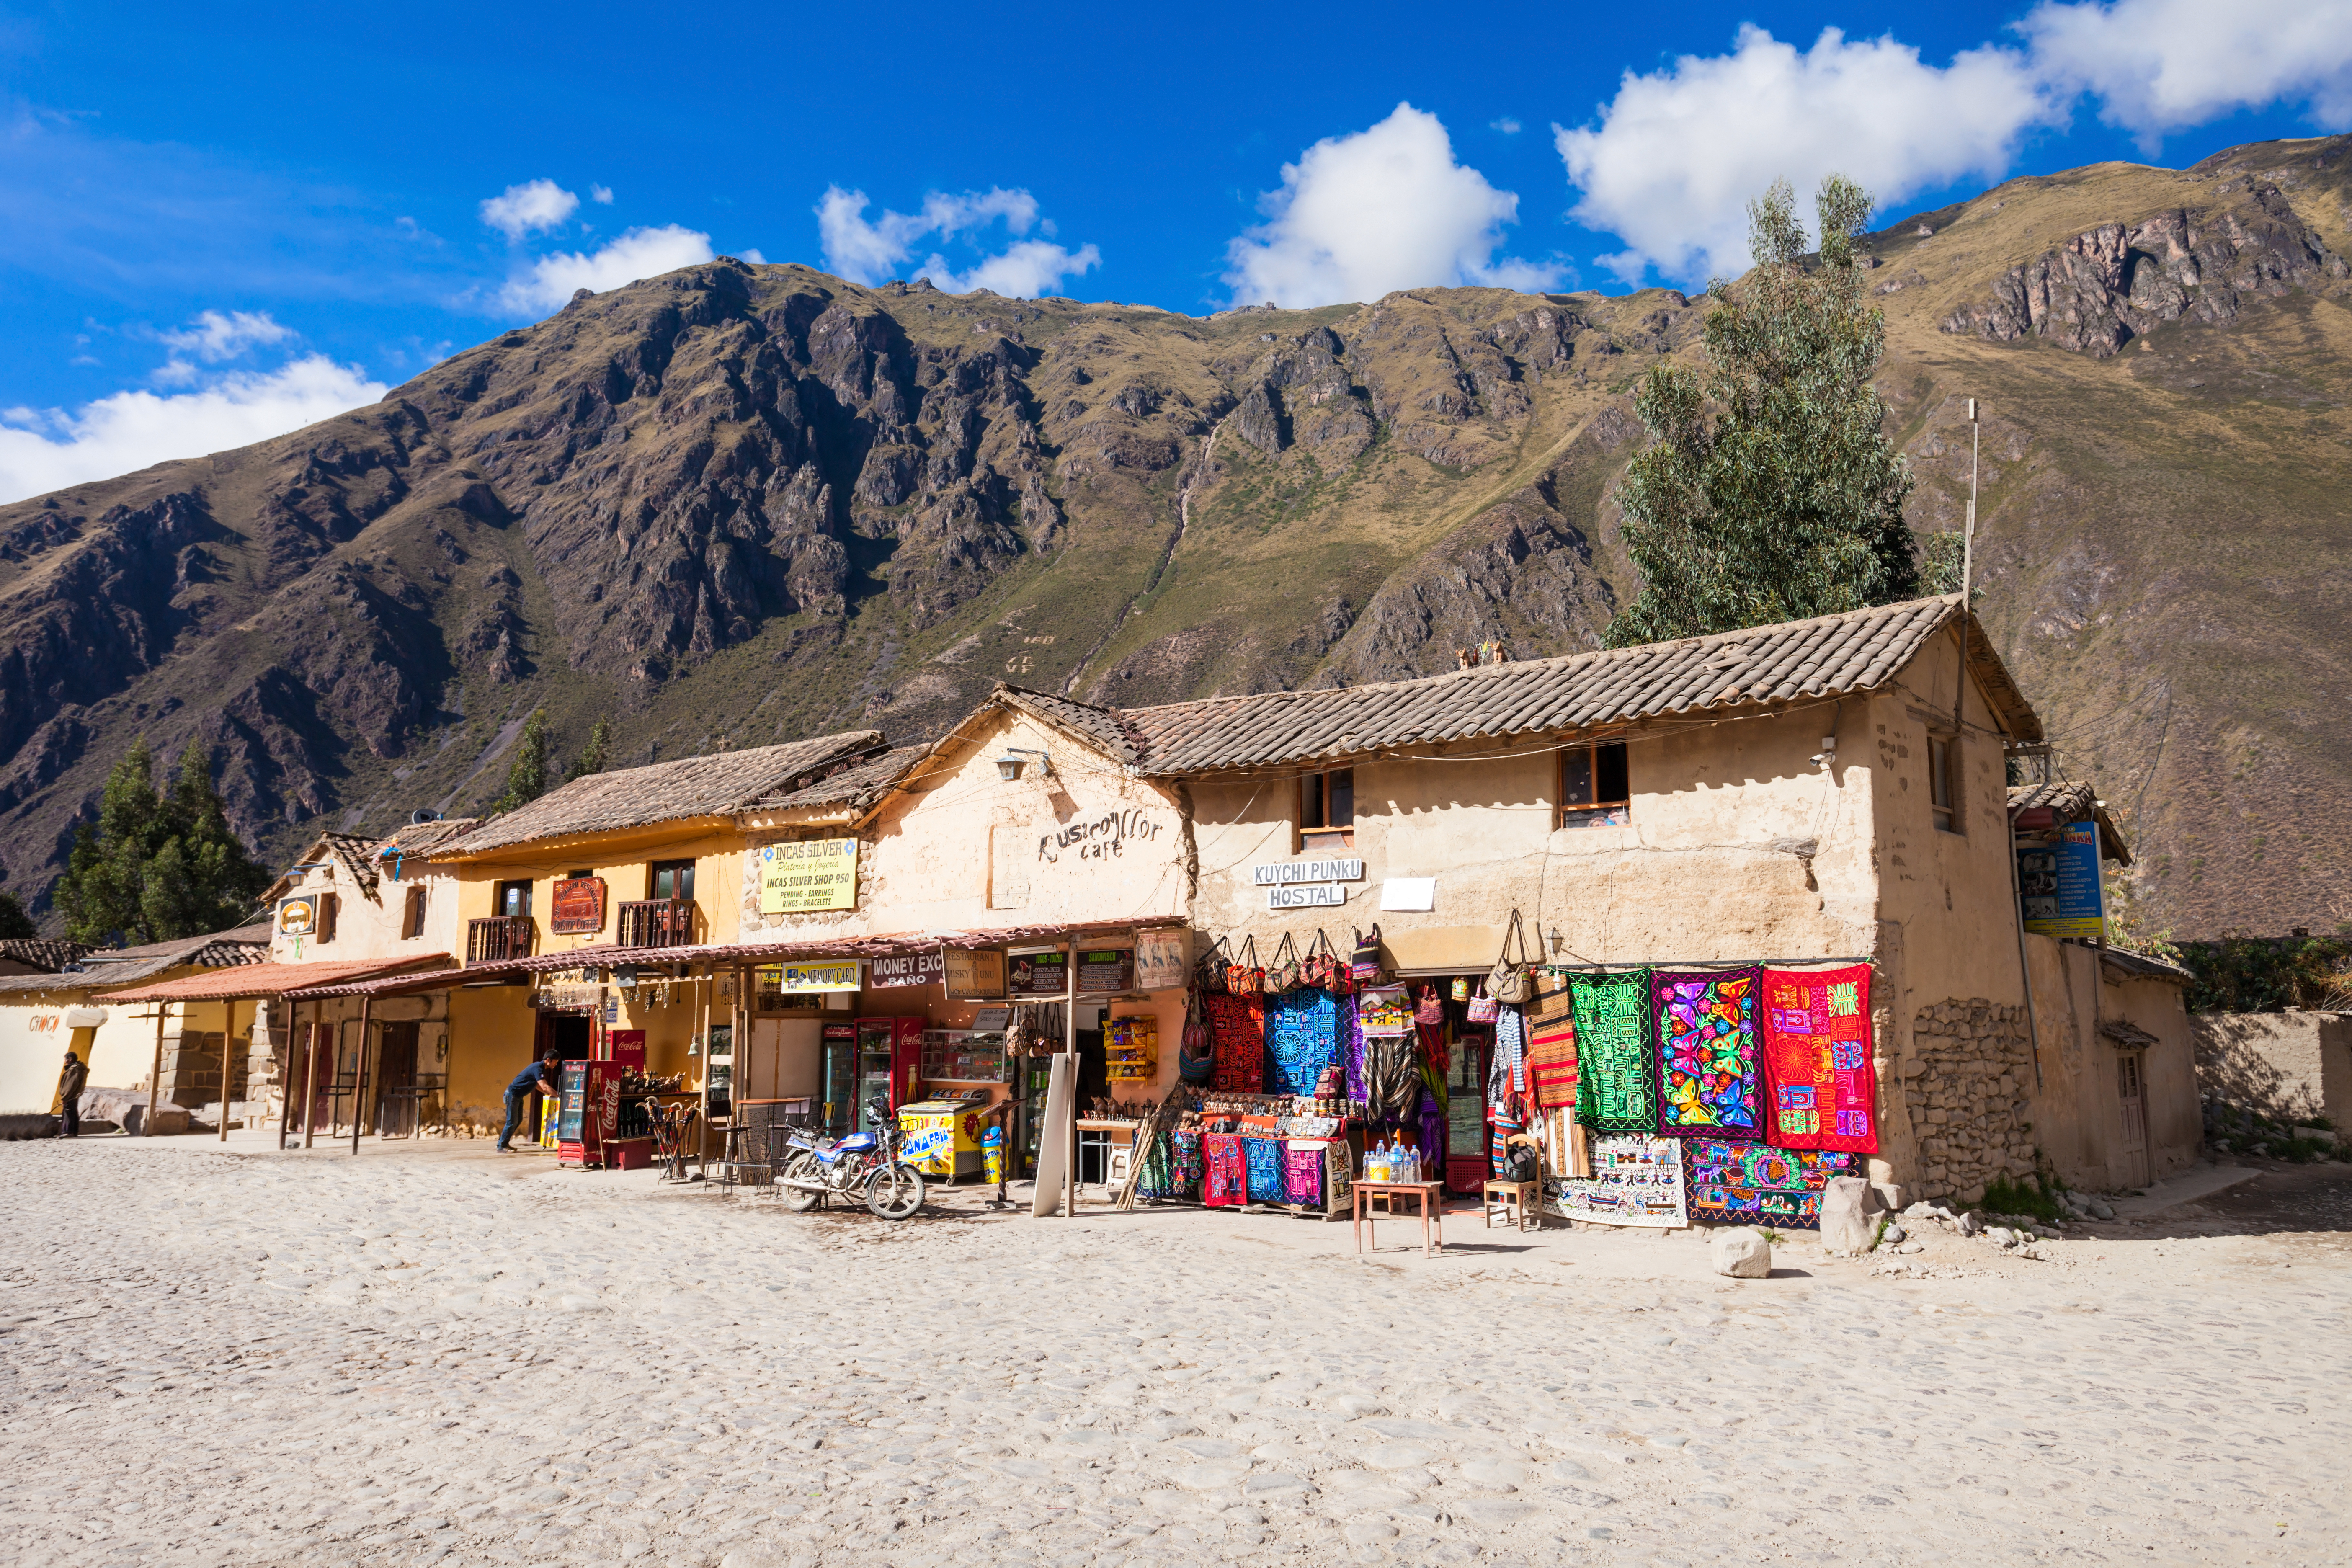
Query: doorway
395, 1069
568, 1035
2134, 1161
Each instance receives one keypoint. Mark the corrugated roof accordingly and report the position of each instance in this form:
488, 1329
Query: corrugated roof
1826, 657
268, 979
711, 785
852, 784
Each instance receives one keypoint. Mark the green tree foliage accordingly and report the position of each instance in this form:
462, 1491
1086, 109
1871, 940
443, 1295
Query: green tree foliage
527, 775
14, 920
157, 864
1769, 493
593, 755
1940, 563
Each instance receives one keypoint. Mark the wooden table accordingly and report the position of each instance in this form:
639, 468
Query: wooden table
1433, 1212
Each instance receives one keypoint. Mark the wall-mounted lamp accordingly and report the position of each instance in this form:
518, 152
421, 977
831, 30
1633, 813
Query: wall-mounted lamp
1008, 766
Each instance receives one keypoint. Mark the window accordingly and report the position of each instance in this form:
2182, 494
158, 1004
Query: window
1326, 807
1595, 790
1943, 781
514, 898
670, 880
412, 915
326, 923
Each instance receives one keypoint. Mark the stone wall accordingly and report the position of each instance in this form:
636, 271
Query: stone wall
1968, 1075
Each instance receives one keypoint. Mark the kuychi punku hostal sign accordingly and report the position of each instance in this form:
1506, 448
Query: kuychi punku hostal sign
1307, 884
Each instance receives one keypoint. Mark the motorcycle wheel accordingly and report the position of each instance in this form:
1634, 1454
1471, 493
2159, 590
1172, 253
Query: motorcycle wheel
895, 1192
800, 1168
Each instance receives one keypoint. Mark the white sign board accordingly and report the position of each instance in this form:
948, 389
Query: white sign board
1307, 871
1306, 896
1408, 893
1162, 959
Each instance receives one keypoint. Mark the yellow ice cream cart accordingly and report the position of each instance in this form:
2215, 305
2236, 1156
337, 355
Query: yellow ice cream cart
941, 1137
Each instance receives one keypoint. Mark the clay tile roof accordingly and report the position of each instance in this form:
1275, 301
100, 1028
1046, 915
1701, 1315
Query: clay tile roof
423, 837
2067, 801
1826, 657
353, 854
711, 785
122, 965
1105, 727
854, 784
42, 952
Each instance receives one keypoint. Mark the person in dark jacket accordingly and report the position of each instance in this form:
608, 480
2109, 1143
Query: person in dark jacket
537, 1079
70, 1083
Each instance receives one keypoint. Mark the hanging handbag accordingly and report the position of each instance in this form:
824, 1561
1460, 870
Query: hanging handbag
1245, 977
1461, 988
1482, 1006
1282, 976
1365, 966
1508, 982
1429, 1009
1331, 972
1208, 973
1196, 1056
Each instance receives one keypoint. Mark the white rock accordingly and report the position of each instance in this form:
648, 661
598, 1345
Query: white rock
1847, 1228
1970, 1225
1740, 1254
2001, 1235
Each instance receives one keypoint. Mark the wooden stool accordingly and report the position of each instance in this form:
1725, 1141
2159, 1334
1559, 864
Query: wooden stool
1515, 1201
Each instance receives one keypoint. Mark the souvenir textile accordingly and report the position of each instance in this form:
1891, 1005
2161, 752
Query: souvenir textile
1302, 1172
1351, 1044
1302, 1038
1224, 1178
1482, 1006
1616, 1060
1437, 1049
1820, 1084
1263, 1159
1384, 1011
1637, 1180
1237, 1032
1551, 1062
1184, 1151
1710, 1062
1511, 1046
1364, 964
1196, 1056
1391, 1078
1429, 1009
1245, 977
1501, 1127
1755, 1184
1283, 976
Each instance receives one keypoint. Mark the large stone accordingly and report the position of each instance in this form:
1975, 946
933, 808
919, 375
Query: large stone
1847, 1228
1740, 1254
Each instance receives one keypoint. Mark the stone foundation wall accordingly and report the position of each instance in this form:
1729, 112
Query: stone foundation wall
1970, 1071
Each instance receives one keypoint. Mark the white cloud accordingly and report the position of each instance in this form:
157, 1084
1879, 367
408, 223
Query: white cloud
1507, 125
869, 252
1678, 153
47, 450
638, 253
601, 195
2161, 65
754, 258
532, 208
1360, 215
213, 337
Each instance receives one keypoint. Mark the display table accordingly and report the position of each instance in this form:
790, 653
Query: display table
1433, 1211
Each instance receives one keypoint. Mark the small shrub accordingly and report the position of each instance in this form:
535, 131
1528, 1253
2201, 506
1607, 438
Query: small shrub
2039, 1201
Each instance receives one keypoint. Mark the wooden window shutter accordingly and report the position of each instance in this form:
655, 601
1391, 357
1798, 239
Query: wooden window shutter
327, 902
411, 922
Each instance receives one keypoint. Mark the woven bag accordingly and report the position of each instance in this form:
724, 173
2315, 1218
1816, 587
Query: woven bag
1508, 982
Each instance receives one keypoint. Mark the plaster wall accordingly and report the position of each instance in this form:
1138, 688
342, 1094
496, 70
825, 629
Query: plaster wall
2290, 1067
623, 861
120, 1052
367, 924
961, 848
2076, 1112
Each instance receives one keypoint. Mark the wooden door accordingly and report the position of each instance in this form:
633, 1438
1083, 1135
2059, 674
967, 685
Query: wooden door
395, 1069
2135, 1119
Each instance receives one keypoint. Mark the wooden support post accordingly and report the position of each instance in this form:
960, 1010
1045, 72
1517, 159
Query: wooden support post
155, 1076
310, 1080
228, 1045
286, 1088
1070, 1045
359, 1089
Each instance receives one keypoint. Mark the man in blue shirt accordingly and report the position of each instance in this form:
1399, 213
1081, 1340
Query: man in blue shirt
537, 1079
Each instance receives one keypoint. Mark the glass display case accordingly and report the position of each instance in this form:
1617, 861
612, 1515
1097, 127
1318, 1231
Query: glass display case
963, 1056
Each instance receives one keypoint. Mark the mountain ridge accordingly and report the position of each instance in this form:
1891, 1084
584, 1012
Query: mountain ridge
739, 503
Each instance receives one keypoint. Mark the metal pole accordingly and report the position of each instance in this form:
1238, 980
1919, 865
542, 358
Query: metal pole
228, 1041
359, 1089
310, 1079
1070, 1045
156, 1074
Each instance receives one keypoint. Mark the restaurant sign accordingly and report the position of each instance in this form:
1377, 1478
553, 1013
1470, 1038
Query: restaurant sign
808, 875
924, 968
973, 972
298, 916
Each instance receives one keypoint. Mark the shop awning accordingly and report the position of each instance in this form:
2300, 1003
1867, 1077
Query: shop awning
406, 982
888, 946
253, 980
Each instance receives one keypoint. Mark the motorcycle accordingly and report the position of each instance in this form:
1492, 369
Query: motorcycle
864, 1165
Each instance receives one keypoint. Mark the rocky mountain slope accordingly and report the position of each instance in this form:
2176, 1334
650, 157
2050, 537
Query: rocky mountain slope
739, 503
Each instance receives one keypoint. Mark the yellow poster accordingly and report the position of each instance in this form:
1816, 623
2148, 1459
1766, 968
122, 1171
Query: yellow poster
812, 874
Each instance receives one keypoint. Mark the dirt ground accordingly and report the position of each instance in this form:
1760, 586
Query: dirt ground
431, 1352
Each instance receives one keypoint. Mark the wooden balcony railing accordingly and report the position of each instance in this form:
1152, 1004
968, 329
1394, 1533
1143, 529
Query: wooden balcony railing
657, 922
501, 938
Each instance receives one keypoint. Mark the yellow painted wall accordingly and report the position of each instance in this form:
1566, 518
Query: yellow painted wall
491, 1034
122, 1052
622, 860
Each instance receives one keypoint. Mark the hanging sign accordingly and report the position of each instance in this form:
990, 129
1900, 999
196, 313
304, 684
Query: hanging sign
1162, 959
1037, 974
831, 975
812, 874
298, 916
576, 905
1106, 972
627, 1048
1307, 871
1306, 896
2061, 886
973, 972
925, 968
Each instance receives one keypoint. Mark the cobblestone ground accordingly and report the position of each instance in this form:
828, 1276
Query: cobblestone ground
430, 1354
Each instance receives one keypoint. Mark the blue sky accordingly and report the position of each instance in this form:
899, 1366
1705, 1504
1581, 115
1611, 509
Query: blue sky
220, 223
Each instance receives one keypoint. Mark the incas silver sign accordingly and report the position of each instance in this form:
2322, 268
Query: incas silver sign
1291, 871
1306, 896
